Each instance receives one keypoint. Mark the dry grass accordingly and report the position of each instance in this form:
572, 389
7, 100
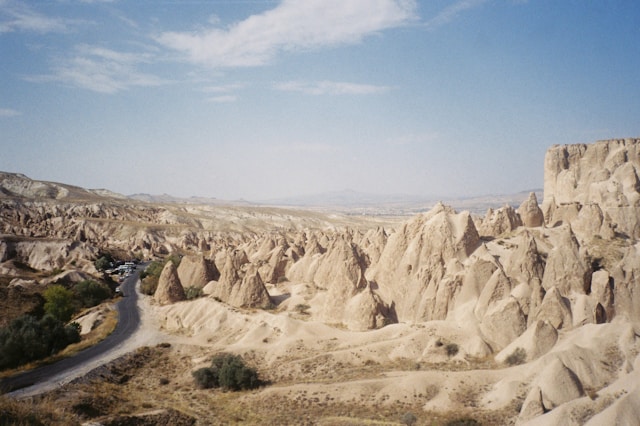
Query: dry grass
159, 378
35, 412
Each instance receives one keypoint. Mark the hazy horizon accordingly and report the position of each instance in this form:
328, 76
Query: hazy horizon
273, 99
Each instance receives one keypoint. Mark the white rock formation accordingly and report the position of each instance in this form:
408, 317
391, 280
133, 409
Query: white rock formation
530, 213
604, 173
169, 288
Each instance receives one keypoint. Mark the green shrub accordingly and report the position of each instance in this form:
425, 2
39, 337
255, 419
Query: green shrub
409, 419
228, 372
192, 292
206, 378
28, 339
103, 262
90, 293
59, 302
518, 356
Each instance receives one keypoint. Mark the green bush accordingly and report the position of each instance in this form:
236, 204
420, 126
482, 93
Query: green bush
90, 293
59, 302
28, 339
103, 262
206, 378
192, 292
228, 372
409, 418
517, 357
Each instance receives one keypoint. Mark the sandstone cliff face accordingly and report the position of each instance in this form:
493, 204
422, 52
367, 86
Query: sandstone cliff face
48, 254
240, 284
604, 173
530, 212
412, 266
196, 271
169, 288
498, 222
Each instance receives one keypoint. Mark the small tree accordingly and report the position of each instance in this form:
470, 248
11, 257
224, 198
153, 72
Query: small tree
103, 263
205, 378
27, 339
90, 293
227, 371
59, 302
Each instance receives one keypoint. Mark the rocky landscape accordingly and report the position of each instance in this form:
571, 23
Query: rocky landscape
527, 314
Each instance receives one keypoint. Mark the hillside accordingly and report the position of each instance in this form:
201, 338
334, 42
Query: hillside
527, 315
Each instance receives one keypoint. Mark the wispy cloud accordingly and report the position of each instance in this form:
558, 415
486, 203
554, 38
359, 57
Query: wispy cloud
8, 112
330, 88
291, 26
102, 70
224, 93
223, 99
451, 12
18, 16
227, 88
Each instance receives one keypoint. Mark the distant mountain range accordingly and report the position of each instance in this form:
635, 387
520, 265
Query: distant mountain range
15, 184
400, 203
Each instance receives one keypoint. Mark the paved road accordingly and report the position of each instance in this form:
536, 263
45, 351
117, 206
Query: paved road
128, 322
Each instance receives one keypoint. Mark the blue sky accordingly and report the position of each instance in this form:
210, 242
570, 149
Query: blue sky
265, 99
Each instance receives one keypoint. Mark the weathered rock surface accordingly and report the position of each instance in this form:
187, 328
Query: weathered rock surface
530, 212
169, 288
240, 284
417, 257
604, 173
196, 271
558, 384
498, 222
513, 279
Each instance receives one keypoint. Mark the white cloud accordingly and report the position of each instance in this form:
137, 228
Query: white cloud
292, 25
449, 13
223, 99
102, 70
16, 16
8, 112
330, 88
228, 88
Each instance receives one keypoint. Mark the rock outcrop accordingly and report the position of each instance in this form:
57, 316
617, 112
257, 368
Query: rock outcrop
530, 212
500, 221
604, 173
240, 284
169, 288
197, 271
411, 270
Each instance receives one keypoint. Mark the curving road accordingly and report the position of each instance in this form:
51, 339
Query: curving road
128, 323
